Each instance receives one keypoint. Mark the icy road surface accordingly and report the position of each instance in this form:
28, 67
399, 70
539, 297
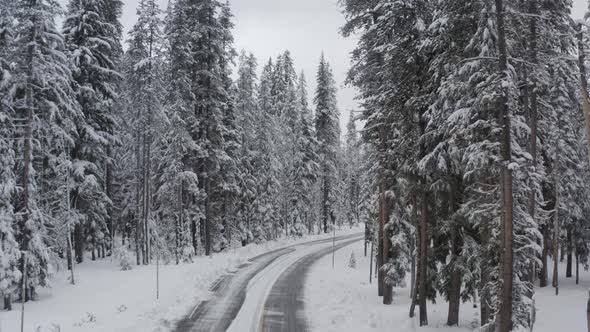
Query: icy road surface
265, 294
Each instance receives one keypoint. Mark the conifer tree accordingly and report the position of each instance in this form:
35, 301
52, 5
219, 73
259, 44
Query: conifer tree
88, 35
328, 135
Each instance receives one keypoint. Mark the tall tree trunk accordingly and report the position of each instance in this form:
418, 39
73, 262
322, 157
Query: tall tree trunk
505, 312
423, 259
109, 192
533, 113
138, 209
584, 82
556, 227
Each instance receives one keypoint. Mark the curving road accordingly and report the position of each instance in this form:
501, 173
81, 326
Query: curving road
263, 295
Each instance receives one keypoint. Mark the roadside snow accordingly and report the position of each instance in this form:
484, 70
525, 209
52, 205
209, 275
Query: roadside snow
342, 300
109, 300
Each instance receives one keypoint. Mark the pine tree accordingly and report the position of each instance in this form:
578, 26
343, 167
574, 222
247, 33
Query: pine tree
42, 98
88, 35
144, 94
328, 136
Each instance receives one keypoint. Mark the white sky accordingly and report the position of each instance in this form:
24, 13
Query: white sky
305, 27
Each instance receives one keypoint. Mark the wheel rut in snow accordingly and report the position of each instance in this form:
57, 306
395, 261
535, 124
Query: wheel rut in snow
217, 313
283, 309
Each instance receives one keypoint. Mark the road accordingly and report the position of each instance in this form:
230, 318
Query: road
263, 295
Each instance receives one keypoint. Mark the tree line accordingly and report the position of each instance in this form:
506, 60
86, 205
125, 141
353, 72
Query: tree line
156, 149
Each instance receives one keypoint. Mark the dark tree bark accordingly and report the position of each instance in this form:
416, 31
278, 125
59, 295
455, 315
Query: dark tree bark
423, 259
454, 290
533, 113
381, 248
568, 271
577, 269
544, 273
387, 288
485, 310
79, 243
7, 302
505, 312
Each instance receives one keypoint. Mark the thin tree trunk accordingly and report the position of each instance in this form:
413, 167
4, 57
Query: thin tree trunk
577, 269
414, 203
485, 310
423, 259
556, 241
568, 272
387, 288
533, 114
584, 83
7, 302
544, 273
208, 217
381, 248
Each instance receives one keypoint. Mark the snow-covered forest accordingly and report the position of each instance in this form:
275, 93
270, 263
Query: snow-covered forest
156, 148
474, 117
467, 161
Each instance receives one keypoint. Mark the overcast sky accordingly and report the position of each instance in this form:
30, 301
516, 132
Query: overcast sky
305, 27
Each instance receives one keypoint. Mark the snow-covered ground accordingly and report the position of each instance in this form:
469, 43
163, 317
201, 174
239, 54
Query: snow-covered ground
342, 300
109, 300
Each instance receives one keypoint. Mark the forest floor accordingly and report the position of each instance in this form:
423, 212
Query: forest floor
342, 300
107, 299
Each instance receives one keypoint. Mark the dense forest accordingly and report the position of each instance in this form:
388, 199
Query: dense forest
467, 161
474, 116
156, 149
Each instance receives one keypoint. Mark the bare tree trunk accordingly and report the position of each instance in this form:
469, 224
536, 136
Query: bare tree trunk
138, 185
178, 231
7, 302
414, 202
544, 273
577, 269
556, 241
387, 288
423, 259
485, 310
568, 271
556, 227
533, 113
505, 312
383, 248
208, 217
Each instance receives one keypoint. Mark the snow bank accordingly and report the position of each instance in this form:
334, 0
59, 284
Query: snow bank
107, 299
342, 300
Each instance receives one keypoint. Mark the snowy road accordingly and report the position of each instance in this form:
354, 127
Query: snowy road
266, 294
